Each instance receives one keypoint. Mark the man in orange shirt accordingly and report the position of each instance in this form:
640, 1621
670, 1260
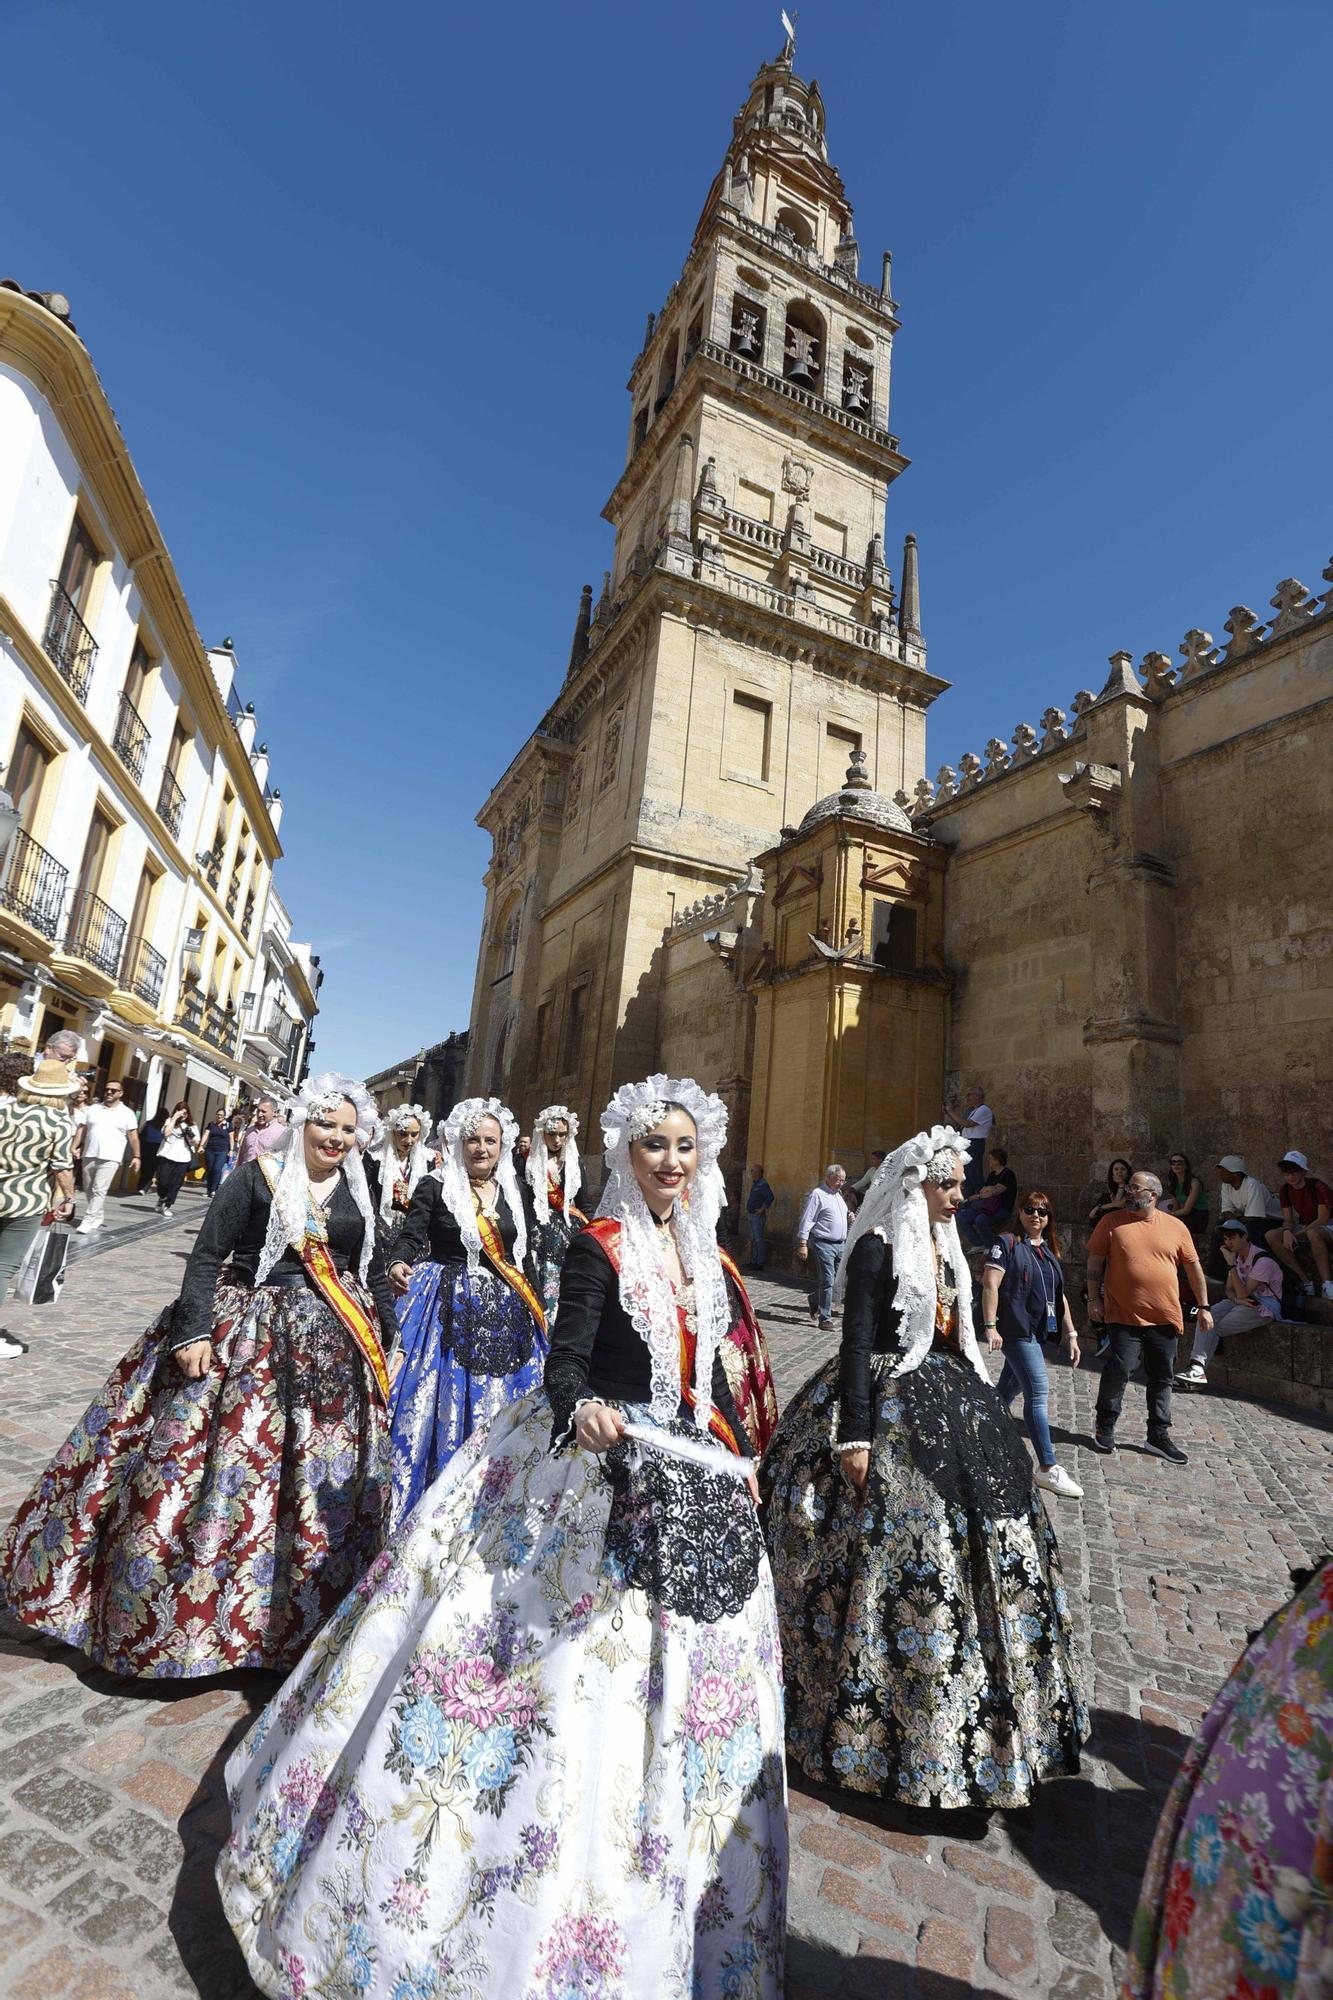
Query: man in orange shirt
1134, 1256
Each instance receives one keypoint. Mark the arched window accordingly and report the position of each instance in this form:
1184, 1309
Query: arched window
509, 946
747, 327
803, 347
791, 223
666, 379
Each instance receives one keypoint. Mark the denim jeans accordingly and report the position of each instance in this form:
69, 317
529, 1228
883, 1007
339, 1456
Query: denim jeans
977, 1228
1025, 1369
757, 1224
16, 1234
826, 1257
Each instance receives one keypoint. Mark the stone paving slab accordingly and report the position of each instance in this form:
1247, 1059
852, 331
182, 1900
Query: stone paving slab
111, 1800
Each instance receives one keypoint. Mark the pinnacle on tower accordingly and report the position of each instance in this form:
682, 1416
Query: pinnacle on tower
909, 616
578, 650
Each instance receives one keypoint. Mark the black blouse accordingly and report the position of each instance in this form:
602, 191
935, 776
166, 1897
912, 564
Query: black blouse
870, 1325
596, 1350
233, 1233
431, 1231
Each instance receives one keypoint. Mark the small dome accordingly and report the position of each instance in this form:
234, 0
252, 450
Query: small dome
859, 801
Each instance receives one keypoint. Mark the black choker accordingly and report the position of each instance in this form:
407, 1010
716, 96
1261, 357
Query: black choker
662, 1221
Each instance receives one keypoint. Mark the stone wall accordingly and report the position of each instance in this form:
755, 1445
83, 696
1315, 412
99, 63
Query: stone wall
1137, 911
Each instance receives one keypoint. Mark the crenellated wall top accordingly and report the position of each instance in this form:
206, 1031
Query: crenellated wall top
1157, 679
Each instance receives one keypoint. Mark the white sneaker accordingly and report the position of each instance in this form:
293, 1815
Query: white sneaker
1328, 1288
1054, 1479
10, 1348
168, 1213
87, 1226
1193, 1377
1308, 1287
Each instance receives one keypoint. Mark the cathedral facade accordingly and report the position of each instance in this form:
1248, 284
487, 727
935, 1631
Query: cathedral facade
748, 645
718, 853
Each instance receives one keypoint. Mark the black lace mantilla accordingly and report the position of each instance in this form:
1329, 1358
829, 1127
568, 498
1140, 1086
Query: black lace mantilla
961, 1436
688, 1537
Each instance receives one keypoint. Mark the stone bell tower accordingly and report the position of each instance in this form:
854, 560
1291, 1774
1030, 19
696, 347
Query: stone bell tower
747, 639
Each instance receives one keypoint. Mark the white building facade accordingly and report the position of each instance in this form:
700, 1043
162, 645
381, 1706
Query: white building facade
136, 885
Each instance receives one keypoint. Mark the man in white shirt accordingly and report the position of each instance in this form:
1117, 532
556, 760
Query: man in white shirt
823, 1229
977, 1121
1241, 1194
100, 1143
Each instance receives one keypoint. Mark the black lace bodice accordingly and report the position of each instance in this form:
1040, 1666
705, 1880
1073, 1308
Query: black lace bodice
431, 1231
870, 1323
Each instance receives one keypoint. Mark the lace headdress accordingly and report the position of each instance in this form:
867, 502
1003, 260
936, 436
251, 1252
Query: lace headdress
462, 1123
645, 1289
895, 1207
571, 1173
392, 1169
291, 1198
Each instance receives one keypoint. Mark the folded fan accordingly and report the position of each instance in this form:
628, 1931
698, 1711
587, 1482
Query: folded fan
695, 1450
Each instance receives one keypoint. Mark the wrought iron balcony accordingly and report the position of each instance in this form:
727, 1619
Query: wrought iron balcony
219, 1027
233, 895
143, 971
170, 803
190, 1009
69, 645
130, 741
32, 884
211, 864
249, 915
97, 933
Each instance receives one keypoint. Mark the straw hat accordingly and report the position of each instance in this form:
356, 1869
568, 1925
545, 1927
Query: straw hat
49, 1079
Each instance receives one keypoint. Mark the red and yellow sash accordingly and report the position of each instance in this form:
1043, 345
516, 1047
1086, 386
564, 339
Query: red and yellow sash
493, 1244
752, 1379
555, 1196
607, 1231
332, 1287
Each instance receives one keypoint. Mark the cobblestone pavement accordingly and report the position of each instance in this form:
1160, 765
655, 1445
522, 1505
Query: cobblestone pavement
111, 1805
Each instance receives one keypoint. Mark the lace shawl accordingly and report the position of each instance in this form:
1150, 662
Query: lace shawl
646, 1291
290, 1210
452, 1175
571, 1173
895, 1207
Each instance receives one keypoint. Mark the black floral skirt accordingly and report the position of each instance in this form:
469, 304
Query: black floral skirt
926, 1637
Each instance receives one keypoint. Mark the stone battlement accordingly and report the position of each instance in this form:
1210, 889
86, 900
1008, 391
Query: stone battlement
1156, 678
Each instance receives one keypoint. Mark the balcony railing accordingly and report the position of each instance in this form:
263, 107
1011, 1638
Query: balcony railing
233, 895
143, 971
97, 934
190, 1009
130, 741
249, 916
170, 803
219, 1027
32, 884
69, 644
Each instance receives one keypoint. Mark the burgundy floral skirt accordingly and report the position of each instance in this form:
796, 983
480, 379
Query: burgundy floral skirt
186, 1528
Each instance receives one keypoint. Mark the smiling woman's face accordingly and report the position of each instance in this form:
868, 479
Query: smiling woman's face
329, 1137
481, 1149
664, 1160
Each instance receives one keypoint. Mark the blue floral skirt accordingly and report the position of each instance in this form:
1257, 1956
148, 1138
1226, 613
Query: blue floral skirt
470, 1347
503, 1773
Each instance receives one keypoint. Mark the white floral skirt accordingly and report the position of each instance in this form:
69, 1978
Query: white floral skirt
500, 1774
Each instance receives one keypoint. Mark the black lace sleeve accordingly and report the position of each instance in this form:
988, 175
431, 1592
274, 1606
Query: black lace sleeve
414, 1236
724, 1401
865, 1271
228, 1213
587, 1282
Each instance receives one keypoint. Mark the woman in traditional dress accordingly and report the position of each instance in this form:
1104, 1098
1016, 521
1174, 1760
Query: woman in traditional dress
1238, 1894
230, 1482
472, 1329
398, 1165
925, 1632
555, 1177
539, 1751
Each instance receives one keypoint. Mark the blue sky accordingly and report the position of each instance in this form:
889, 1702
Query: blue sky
364, 286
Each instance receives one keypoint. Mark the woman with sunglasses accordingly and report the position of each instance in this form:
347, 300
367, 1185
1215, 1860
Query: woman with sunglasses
1023, 1299
1184, 1196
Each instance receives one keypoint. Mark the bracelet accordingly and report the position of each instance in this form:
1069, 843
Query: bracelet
858, 1446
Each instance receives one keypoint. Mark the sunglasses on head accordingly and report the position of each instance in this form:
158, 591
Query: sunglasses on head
1035, 1208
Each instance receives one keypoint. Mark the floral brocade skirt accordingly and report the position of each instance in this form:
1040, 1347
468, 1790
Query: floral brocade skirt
501, 1773
1237, 1898
550, 1241
470, 1347
925, 1631
187, 1528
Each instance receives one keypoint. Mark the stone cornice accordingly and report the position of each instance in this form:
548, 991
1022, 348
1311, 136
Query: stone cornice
58, 364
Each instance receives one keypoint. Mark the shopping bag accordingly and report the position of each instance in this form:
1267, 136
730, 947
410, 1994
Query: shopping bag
42, 1272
